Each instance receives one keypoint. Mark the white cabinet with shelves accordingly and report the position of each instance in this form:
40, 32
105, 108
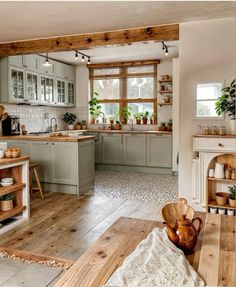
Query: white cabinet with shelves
32, 87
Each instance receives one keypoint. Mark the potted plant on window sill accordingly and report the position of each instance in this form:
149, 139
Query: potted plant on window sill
226, 104
6, 202
232, 197
94, 108
69, 119
138, 118
125, 113
84, 124
153, 119
145, 117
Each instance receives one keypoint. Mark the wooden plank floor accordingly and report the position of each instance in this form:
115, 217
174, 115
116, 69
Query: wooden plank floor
64, 226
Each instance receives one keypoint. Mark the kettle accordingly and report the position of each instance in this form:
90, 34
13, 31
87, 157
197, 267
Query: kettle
183, 233
219, 170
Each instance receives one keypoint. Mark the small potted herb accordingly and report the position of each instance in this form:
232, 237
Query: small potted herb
94, 108
6, 201
69, 119
169, 125
138, 118
112, 120
125, 113
162, 126
232, 197
84, 124
78, 125
153, 119
145, 117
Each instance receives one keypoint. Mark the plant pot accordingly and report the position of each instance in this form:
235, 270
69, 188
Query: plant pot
93, 121
221, 198
6, 205
78, 127
169, 128
213, 210
153, 122
70, 127
112, 122
221, 211
230, 212
232, 202
84, 127
145, 121
138, 122
233, 126
125, 121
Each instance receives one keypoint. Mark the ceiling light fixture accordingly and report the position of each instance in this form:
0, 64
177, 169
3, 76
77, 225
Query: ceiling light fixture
83, 56
165, 47
47, 63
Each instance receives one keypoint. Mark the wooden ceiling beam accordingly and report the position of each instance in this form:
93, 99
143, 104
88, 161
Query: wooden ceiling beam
87, 41
123, 64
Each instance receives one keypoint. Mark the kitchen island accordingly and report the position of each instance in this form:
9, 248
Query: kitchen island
66, 163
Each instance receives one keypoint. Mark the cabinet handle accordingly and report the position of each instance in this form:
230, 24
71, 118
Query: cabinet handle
53, 144
220, 144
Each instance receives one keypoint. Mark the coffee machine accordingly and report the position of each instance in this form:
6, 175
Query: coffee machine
11, 126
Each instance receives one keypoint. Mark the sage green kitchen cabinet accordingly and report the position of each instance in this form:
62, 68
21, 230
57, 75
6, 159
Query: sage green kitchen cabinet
134, 149
61, 92
31, 62
32, 87
64, 163
71, 94
98, 157
70, 73
47, 89
17, 85
40, 152
17, 61
23, 145
159, 150
111, 149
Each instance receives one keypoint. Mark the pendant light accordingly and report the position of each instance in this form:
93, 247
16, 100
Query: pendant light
47, 63
165, 47
82, 60
76, 55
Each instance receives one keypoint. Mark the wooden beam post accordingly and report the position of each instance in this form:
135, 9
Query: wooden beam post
86, 41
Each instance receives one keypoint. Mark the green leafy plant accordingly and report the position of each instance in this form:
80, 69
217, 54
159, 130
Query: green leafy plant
170, 122
94, 107
69, 118
84, 122
145, 115
232, 190
163, 124
138, 116
6, 197
125, 113
227, 102
154, 116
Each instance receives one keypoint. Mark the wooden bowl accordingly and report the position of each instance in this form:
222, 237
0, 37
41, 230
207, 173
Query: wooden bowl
172, 211
221, 198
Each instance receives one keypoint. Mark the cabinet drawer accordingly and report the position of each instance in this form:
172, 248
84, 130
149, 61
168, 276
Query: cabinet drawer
214, 144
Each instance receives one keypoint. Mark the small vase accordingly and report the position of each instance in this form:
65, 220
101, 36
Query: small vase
70, 127
233, 126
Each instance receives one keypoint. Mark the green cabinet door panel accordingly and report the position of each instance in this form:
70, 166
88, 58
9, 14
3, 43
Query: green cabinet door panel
40, 152
64, 163
111, 149
134, 149
159, 151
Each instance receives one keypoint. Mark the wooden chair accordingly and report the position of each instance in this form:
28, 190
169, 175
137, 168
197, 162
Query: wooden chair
33, 172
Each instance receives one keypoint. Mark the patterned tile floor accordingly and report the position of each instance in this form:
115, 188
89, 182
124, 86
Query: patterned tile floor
135, 185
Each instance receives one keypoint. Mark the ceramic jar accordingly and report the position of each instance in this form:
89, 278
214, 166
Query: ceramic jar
219, 170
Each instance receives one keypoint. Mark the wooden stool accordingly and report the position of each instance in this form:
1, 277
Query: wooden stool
33, 171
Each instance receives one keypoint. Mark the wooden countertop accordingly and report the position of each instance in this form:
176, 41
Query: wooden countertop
47, 138
214, 256
4, 161
215, 136
124, 131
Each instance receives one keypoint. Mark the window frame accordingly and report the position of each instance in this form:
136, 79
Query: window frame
123, 76
196, 117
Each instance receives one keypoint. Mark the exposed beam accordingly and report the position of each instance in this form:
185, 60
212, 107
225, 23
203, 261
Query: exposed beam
86, 41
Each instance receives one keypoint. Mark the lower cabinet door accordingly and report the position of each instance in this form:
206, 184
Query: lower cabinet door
40, 152
64, 163
97, 152
111, 149
134, 149
23, 145
159, 151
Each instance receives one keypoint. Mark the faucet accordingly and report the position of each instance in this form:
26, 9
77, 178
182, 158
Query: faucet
103, 117
53, 129
131, 124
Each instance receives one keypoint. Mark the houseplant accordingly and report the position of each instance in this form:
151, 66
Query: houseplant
153, 119
162, 127
84, 124
138, 118
78, 125
6, 201
69, 119
94, 108
169, 125
226, 104
145, 117
232, 197
125, 113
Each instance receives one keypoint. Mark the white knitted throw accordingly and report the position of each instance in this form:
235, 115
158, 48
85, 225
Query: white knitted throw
156, 262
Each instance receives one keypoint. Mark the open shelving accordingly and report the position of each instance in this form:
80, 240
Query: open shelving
165, 81
165, 104
165, 92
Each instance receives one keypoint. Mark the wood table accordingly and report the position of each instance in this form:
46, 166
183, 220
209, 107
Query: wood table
214, 257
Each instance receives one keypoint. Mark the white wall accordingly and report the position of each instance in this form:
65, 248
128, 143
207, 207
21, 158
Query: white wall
207, 54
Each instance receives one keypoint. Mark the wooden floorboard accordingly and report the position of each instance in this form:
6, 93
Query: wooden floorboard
65, 226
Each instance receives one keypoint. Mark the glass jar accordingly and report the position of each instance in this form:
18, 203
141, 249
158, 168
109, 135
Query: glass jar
222, 130
205, 130
213, 130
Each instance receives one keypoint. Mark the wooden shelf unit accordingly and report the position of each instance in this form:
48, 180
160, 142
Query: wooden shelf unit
19, 171
222, 180
165, 81
165, 104
165, 92
213, 204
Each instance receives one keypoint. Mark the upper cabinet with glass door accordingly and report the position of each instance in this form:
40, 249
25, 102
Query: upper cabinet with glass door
16, 85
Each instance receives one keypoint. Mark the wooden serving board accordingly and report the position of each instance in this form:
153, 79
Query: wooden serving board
214, 257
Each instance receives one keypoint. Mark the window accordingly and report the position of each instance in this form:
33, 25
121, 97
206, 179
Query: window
125, 84
207, 95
